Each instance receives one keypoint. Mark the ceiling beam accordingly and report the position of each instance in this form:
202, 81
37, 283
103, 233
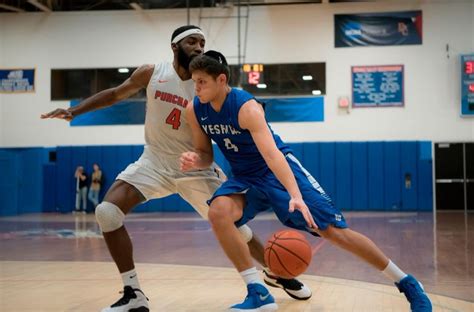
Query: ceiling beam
10, 8
40, 6
136, 6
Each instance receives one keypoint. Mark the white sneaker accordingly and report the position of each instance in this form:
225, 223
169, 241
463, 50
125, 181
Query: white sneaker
133, 300
294, 288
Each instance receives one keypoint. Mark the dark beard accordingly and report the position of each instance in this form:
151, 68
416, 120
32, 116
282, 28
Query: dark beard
183, 58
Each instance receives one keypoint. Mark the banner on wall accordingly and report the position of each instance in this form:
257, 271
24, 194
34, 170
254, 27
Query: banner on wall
378, 29
467, 85
299, 109
132, 112
17, 80
377, 86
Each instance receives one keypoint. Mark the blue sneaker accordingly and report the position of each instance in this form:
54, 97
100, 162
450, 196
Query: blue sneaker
413, 290
258, 299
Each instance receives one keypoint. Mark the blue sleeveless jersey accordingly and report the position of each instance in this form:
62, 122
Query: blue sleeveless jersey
236, 143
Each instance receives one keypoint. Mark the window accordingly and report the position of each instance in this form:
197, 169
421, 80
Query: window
69, 84
297, 79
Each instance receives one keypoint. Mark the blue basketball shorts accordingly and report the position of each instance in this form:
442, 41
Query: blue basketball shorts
266, 192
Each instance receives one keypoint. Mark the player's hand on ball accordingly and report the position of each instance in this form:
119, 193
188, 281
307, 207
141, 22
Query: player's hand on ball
58, 113
299, 204
188, 161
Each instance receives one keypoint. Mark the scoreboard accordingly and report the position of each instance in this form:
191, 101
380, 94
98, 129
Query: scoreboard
253, 74
467, 85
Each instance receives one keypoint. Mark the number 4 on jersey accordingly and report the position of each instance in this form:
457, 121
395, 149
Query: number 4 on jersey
174, 118
229, 145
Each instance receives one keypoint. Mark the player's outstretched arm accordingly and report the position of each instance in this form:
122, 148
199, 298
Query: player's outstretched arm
203, 155
137, 81
252, 118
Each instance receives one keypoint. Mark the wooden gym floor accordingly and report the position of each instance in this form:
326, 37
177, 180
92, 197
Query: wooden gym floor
53, 262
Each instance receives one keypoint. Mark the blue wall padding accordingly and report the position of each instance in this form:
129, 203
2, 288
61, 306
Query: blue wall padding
21, 181
64, 187
375, 176
8, 183
392, 175
425, 174
343, 196
409, 169
49, 188
327, 165
311, 159
357, 175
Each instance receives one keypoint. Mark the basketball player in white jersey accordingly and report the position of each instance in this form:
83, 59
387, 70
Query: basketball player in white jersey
157, 173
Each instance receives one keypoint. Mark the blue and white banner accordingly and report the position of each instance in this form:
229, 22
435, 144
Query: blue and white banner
130, 112
375, 86
467, 85
378, 29
300, 109
17, 80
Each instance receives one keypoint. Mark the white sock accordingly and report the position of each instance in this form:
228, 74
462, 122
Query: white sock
251, 276
130, 278
393, 272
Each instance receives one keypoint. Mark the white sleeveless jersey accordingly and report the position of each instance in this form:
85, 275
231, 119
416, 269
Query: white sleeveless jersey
167, 134
157, 173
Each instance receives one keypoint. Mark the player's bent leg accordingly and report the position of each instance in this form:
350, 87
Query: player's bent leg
118, 201
223, 212
109, 217
356, 243
366, 249
247, 235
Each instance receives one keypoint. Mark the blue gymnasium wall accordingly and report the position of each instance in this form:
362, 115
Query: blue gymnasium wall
357, 175
21, 180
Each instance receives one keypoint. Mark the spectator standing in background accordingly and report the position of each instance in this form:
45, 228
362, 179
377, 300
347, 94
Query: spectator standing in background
81, 189
96, 181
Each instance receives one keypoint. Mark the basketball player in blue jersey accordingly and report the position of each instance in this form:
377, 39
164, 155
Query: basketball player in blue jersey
157, 174
266, 175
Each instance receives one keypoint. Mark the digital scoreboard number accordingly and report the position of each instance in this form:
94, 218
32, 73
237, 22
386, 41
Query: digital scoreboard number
253, 74
467, 85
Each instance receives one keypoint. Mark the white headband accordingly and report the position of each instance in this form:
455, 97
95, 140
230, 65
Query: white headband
186, 33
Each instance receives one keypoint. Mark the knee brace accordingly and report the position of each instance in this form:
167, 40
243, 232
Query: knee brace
109, 216
246, 232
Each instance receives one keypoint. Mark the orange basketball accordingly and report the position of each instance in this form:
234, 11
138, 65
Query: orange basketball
288, 253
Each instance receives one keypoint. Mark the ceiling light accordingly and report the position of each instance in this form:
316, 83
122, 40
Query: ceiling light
307, 77
123, 70
316, 92
40, 6
262, 86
